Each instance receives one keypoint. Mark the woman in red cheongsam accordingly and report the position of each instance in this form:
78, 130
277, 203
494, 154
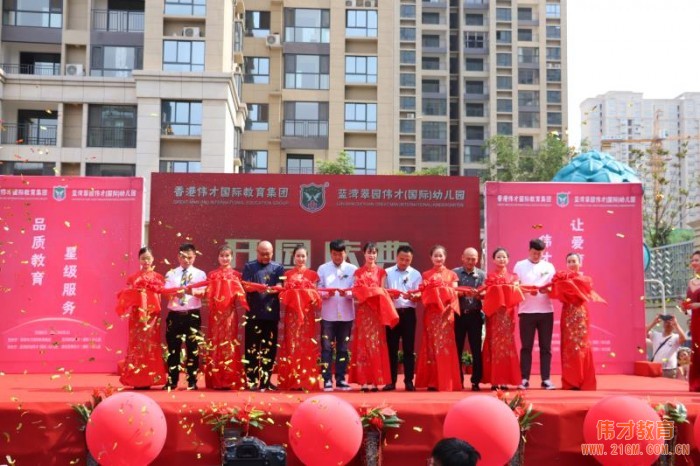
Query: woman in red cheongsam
692, 303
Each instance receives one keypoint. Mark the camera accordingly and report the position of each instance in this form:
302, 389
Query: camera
251, 451
665, 317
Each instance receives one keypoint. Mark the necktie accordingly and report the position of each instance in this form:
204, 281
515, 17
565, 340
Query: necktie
183, 282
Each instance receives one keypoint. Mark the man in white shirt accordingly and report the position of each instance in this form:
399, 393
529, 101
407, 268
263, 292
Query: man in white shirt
536, 314
337, 314
403, 277
184, 322
664, 345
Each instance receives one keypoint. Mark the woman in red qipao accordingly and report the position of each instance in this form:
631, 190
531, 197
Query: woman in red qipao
692, 303
438, 364
502, 294
574, 289
223, 365
140, 302
298, 363
369, 360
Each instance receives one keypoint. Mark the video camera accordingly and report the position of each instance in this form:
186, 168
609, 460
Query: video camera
665, 317
251, 451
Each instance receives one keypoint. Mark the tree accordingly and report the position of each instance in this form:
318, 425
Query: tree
342, 166
515, 164
439, 170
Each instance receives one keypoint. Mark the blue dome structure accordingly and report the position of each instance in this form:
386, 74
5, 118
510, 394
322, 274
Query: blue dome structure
596, 167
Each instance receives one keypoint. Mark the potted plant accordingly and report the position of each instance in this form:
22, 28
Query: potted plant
526, 416
234, 422
672, 415
85, 411
467, 362
374, 422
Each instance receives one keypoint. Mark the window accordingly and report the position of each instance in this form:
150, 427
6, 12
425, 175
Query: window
504, 37
408, 33
553, 32
475, 133
183, 55
257, 23
408, 11
528, 76
504, 59
365, 161
181, 118
180, 166
186, 7
553, 10
28, 168
429, 86
431, 18
473, 19
46, 64
434, 130
529, 55
526, 142
554, 118
306, 72
504, 82
554, 97
254, 161
408, 57
407, 170
361, 23
110, 169
529, 119
504, 105
524, 14
307, 25
474, 154
111, 126
525, 35
33, 13
360, 116
430, 63
433, 153
474, 64
474, 110
474, 87
112, 61
430, 40
407, 149
257, 70
407, 102
407, 80
300, 164
306, 119
503, 14
505, 128
35, 127
529, 99
434, 106
257, 117
553, 75
407, 126
554, 53
361, 69
475, 40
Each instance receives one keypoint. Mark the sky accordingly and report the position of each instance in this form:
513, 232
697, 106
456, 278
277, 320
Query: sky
648, 46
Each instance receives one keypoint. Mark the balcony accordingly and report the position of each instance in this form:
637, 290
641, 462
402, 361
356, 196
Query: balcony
33, 18
117, 21
28, 134
476, 4
37, 69
304, 134
111, 137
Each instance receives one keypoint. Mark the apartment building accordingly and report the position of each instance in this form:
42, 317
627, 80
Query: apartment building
618, 122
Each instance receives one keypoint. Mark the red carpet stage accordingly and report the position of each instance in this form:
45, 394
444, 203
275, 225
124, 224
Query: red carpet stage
39, 427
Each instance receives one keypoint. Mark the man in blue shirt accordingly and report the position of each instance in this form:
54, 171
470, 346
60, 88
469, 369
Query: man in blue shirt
262, 320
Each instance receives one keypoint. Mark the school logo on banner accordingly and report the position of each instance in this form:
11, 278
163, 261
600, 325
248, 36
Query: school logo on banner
312, 197
59, 193
562, 199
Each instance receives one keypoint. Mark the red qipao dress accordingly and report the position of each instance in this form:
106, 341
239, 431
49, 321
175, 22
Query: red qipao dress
140, 301
438, 363
369, 356
693, 296
223, 362
297, 367
574, 290
500, 356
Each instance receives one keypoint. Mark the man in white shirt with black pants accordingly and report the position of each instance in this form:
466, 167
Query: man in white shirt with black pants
536, 314
664, 345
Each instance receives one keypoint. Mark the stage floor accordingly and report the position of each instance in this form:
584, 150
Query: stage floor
39, 427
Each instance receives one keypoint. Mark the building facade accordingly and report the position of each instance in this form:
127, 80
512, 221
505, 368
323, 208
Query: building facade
621, 122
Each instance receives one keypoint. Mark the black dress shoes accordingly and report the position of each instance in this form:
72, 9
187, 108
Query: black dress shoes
389, 388
410, 387
475, 387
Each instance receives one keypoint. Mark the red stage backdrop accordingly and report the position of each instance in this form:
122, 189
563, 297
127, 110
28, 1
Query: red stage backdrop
212, 209
67, 245
603, 223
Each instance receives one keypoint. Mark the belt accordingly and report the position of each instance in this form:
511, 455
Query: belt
400, 309
188, 311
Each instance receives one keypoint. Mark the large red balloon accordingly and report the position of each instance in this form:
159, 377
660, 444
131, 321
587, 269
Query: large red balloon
488, 425
610, 417
126, 429
325, 430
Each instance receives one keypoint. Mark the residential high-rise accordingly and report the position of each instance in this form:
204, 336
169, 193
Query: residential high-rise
619, 122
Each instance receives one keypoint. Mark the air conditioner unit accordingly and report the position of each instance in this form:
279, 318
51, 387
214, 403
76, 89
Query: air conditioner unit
74, 69
191, 32
274, 40
237, 68
348, 2
371, 3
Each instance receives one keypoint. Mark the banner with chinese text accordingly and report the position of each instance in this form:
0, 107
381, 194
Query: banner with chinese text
67, 246
603, 223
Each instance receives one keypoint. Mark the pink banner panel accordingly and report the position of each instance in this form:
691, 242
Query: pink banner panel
66, 247
603, 223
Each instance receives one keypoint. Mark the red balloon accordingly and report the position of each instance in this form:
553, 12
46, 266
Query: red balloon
126, 429
608, 423
325, 430
488, 425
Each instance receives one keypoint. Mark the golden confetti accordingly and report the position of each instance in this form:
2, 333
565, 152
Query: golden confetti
537, 226
418, 429
610, 211
620, 235
612, 354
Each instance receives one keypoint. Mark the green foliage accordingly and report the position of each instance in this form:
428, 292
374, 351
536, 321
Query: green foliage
439, 170
515, 164
343, 165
